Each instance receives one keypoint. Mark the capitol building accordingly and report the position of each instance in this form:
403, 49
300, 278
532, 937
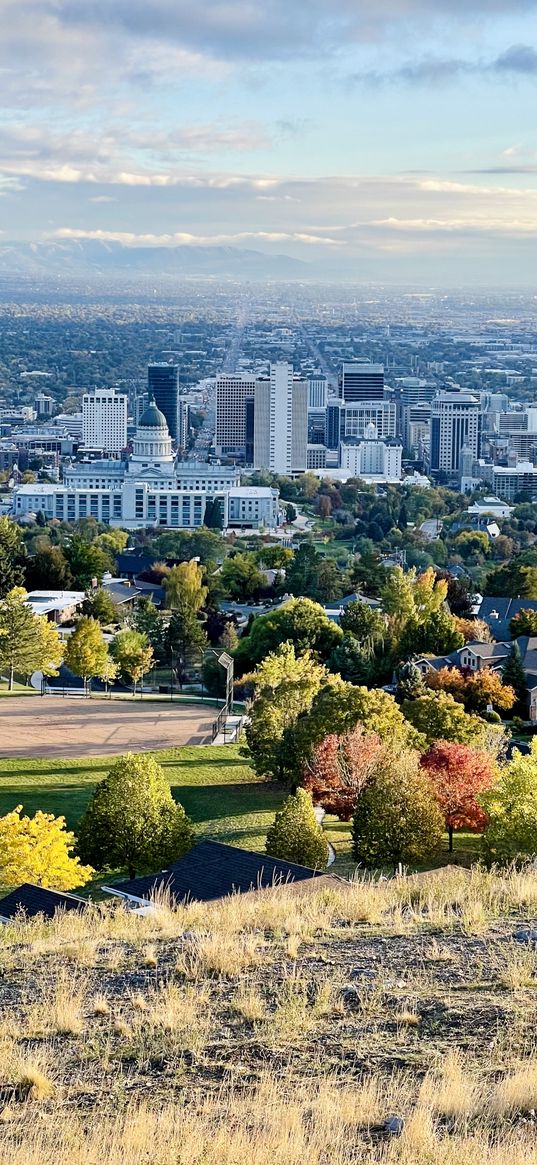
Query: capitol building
150, 488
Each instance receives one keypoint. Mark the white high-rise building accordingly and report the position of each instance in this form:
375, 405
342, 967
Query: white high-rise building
104, 420
232, 392
455, 423
373, 459
281, 421
317, 392
356, 417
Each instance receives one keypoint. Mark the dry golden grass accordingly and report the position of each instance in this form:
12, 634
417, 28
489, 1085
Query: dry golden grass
276, 1029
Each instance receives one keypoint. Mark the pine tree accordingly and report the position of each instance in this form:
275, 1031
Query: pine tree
295, 835
514, 674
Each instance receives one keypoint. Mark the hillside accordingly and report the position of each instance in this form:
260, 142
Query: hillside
277, 1029
77, 257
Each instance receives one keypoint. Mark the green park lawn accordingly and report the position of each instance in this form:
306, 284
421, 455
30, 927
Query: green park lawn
216, 786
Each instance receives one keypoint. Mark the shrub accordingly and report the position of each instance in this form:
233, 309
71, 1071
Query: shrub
295, 835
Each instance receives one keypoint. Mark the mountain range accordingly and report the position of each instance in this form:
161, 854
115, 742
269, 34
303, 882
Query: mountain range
85, 257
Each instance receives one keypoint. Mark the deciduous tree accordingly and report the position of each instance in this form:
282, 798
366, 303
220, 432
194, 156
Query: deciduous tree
28, 642
295, 835
133, 655
339, 769
86, 649
523, 623
511, 805
133, 821
39, 849
459, 775
437, 716
285, 685
396, 819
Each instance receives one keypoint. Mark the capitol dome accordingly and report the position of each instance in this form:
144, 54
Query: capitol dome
152, 418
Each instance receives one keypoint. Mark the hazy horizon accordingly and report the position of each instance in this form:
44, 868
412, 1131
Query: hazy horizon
390, 141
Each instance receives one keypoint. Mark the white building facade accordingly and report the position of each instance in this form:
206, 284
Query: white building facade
148, 489
373, 459
104, 420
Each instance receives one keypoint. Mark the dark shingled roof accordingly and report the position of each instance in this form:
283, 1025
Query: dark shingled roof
212, 870
36, 900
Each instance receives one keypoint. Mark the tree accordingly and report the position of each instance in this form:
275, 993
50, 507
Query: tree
86, 649
133, 655
474, 630
108, 672
436, 635
514, 675
39, 849
523, 623
113, 541
28, 642
48, 568
285, 685
184, 587
339, 769
11, 552
365, 623
513, 580
149, 622
241, 577
185, 639
475, 690
337, 708
351, 660
459, 774
330, 581
410, 683
301, 622
275, 557
291, 513
295, 835
100, 605
511, 806
411, 598
87, 561
437, 716
302, 577
214, 514
133, 821
396, 819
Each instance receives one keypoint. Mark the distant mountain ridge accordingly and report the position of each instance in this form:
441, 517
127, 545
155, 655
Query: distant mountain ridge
92, 257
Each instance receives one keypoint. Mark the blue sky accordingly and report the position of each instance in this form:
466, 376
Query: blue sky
376, 138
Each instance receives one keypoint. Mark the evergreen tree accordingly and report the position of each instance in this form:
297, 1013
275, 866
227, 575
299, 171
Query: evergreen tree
133, 821
11, 553
149, 622
295, 835
410, 685
515, 676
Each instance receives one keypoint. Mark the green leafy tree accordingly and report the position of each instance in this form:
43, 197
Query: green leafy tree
149, 622
11, 555
48, 568
511, 806
397, 819
28, 642
184, 587
214, 514
184, 640
514, 676
113, 541
295, 835
275, 557
436, 635
365, 623
301, 622
133, 821
241, 577
133, 655
437, 716
514, 580
86, 561
351, 660
338, 708
284, 687
302, 576
100, 605
86, 649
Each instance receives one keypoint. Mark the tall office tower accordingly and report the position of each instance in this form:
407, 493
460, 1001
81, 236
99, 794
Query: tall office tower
356, 417
182, 425
455, 422
334, 413
317, 392
104, 420
163, 387
316, 426
232, 392
361, 382
281, 421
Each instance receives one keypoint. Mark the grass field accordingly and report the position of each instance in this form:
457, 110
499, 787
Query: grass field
214, 784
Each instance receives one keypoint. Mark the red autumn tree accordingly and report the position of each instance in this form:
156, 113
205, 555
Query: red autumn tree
458, 775
339, 769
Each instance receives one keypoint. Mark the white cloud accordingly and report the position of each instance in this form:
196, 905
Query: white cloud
184, 238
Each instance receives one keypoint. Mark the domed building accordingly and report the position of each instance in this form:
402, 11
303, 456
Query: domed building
149, 488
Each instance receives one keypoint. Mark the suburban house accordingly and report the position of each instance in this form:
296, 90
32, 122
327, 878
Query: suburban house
56, 606
497, 613
211, 871
476, 656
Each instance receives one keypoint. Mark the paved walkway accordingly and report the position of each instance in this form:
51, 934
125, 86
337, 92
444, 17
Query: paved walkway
52, 726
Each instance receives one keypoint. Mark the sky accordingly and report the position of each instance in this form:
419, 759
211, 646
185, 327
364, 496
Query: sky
372, 139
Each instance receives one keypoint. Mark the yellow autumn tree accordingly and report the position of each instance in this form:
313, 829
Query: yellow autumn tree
39, 849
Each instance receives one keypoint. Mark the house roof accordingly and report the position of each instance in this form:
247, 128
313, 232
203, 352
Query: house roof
212, 870
498, 612
35, 900
121, 592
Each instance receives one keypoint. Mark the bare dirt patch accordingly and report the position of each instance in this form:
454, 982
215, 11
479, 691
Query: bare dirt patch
56, 727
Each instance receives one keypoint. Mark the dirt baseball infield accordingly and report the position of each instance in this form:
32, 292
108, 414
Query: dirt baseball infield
58, 727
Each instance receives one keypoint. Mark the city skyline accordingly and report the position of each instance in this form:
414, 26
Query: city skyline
391, 141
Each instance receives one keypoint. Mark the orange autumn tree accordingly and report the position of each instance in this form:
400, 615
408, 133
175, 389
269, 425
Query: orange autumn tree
476, 690
339, 769
458, 775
